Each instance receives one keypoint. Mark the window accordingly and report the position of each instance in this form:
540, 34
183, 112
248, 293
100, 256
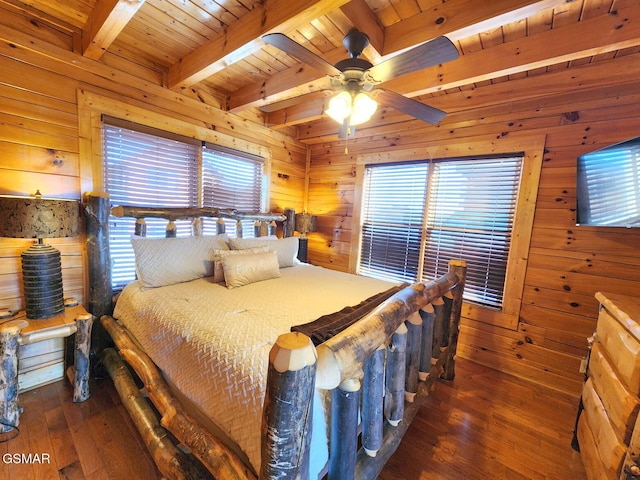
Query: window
151, 168
230, 180
393, 220
608, 186
419, 215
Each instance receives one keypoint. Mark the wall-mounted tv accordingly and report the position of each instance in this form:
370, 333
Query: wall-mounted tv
608, 186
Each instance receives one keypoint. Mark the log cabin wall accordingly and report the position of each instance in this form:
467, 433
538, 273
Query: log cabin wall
574, 112
51, 95
42, 78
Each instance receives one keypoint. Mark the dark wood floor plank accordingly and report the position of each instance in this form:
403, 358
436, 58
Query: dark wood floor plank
483, 425
77, 416
486, 424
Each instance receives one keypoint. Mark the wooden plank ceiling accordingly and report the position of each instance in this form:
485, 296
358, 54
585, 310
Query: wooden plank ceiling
213, 49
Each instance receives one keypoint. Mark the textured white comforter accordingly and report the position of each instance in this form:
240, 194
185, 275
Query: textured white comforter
213, 343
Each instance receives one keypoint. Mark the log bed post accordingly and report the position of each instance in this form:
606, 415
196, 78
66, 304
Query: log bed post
286, 415
343, 443
460, 269
289, 225
141, 227
439, 309
100, 302
372, 402
428, 315
171, 230
197, 227
395, 376
414, 343
10, 412
84, 323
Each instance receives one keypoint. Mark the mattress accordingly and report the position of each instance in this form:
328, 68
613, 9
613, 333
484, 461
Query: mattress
212, 343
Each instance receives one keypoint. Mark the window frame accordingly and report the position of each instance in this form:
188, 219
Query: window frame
532, 149
91, 109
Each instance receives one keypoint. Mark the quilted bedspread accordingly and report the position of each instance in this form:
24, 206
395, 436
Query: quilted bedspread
213, 343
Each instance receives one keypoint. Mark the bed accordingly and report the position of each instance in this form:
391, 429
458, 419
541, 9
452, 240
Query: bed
263, 366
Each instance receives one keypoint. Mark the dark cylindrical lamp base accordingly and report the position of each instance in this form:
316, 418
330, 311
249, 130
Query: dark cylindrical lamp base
42, 281
303, 245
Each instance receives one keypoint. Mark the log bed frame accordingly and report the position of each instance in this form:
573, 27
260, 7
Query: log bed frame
395, 352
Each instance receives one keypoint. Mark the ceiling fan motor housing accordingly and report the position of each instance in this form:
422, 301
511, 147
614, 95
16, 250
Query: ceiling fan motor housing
355, 42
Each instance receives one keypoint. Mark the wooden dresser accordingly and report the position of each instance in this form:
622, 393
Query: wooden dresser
608, 429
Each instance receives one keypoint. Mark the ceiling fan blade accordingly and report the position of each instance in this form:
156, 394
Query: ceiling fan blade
411, 107
438, 50
296, 50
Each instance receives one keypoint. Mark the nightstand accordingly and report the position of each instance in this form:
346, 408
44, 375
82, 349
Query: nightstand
17, 330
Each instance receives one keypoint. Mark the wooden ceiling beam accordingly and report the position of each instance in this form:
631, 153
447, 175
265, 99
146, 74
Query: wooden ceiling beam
602, 34
461, 19
106, 21
366, 21
243, 37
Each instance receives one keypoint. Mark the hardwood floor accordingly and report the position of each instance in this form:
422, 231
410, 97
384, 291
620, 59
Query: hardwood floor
489, 425
484, 425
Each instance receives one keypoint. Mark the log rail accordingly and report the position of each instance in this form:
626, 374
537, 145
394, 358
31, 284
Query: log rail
389, 359
386, 351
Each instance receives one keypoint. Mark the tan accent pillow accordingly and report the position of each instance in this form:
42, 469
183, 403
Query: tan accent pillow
165, 261
240, 270
219, 255
287, 248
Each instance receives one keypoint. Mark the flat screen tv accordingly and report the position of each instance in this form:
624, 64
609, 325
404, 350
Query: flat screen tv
608, 186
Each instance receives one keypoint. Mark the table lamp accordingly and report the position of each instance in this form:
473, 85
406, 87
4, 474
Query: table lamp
305, 223
37, 217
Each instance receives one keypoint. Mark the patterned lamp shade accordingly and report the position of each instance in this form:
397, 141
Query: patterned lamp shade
36, 217
305, 223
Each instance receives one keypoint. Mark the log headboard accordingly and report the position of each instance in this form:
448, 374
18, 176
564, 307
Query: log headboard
97, 210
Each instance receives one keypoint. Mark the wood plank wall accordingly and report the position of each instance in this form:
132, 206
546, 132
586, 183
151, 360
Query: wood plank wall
576, 111
41, 74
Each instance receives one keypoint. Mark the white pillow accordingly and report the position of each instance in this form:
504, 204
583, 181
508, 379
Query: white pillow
219, 255
165, 261
287, 248
240, 270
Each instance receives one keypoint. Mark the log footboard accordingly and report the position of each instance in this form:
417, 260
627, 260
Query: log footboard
356, 357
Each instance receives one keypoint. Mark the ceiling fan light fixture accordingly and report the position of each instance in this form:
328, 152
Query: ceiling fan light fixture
363, 108
340, 106
358, 108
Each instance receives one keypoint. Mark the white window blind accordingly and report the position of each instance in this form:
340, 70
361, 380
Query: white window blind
394, 201
470, 214
465, 213
232, 181
609, 186
150, 168
146, 170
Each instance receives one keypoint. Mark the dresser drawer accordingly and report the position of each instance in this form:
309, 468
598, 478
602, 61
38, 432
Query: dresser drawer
610, 449
621, 347
621, 405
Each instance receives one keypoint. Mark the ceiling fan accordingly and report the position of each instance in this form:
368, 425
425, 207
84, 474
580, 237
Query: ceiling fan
354, 77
